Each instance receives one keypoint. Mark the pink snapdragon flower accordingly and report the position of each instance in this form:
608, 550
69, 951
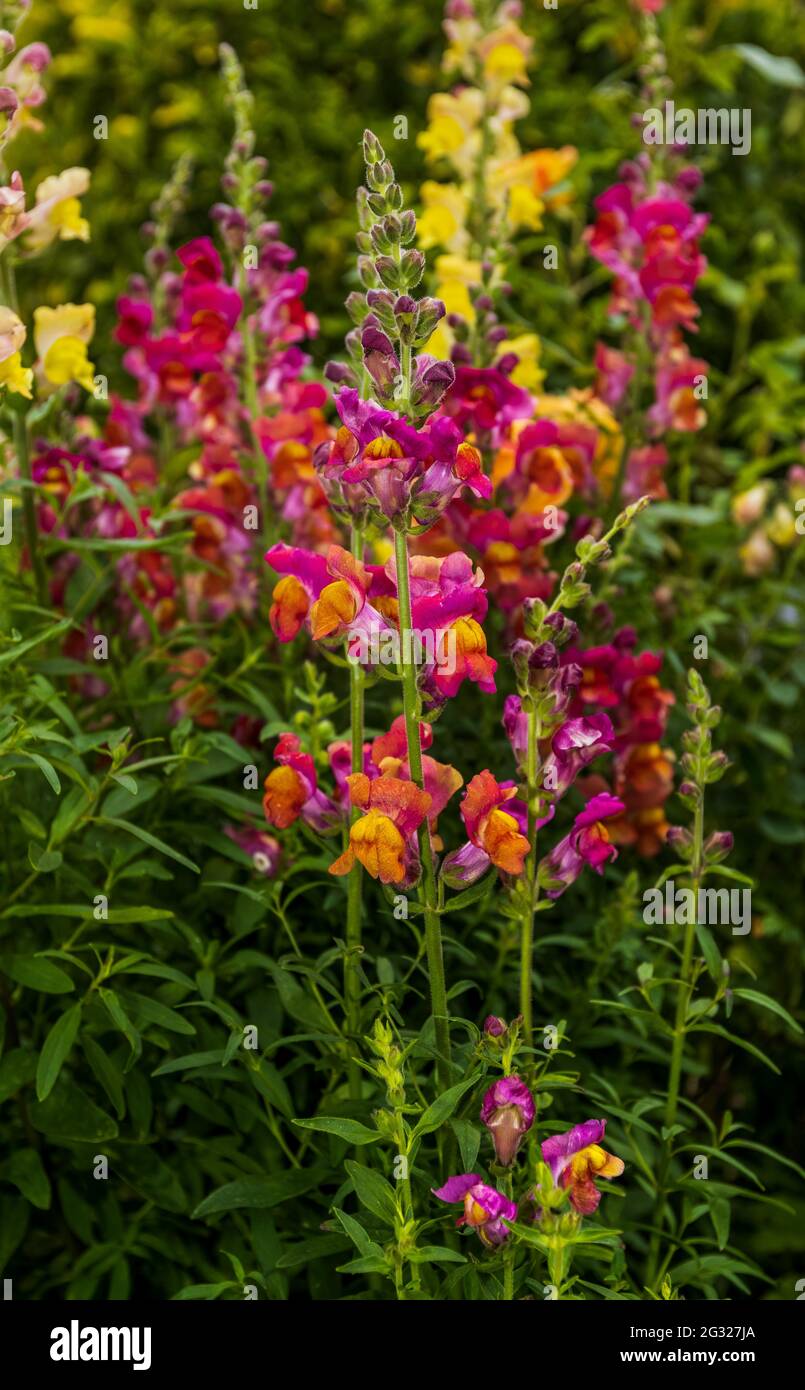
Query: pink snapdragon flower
576, 1160
587, 843
485, 1209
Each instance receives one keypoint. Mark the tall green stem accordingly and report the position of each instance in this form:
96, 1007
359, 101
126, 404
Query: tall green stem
352, 982
29, 509
509, 1247
527, 923
428, 891
680, 1031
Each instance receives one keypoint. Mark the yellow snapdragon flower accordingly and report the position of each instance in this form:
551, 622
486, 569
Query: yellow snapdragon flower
13, 375
443, 217
62, 336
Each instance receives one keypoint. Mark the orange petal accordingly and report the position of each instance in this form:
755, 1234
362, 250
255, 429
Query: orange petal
333, 609
288, 608
379, 846
285, 796
344, 863
501, 838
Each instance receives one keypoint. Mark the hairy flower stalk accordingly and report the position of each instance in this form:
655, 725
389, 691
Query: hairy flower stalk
352, 983
244, 182
428, 889
545, 687
701, 766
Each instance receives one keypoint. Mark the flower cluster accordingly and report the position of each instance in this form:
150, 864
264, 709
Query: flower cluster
495, 190
574, 1162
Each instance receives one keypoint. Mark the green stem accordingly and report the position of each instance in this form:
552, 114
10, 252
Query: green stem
352, 983
508, 1249
677, 1052
29, 509
427, 891
527, 923
253, 410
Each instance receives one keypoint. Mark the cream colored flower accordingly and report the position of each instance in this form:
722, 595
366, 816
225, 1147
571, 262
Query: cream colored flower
750, 505
12, 332
57, 213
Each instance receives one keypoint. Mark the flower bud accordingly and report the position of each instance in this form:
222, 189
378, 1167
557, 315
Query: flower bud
717, 846
508, 1112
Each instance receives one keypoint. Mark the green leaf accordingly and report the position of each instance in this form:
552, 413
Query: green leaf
70, 1115
37, 973
469, 896
142, 1168
738, 1042
781, 71
55, 1050
47, 769
190, 1061
121, 1020
710, 952
351, 1131
20, 648
765, 1002
17, 1068
436, 1254
308, 1251
204, 1292
469, 1142
442, 1108
106, 1074
259, 1192
44, 861
359, 1237
720, 1217
24, 1169
149, 839
373, 1192
154, 1012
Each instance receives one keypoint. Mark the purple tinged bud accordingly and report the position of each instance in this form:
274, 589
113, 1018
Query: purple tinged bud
508, 1112
432, 381
507, 363
718, 845
498, 334
495, 1027
379, 357
337, 372
543, 657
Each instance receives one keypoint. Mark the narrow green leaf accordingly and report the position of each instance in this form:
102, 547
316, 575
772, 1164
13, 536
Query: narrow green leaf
55, 1050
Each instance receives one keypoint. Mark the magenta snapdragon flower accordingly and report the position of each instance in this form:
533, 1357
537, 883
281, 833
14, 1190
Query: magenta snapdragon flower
576, 1159
587, 843
485, 1209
